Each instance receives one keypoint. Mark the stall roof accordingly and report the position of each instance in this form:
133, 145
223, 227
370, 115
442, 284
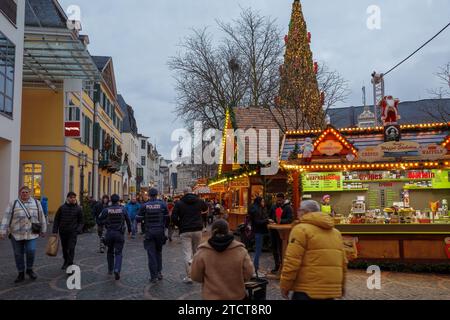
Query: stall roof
365, 137
414, 112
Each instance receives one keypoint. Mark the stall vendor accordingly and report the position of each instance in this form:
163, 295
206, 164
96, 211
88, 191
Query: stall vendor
326, 206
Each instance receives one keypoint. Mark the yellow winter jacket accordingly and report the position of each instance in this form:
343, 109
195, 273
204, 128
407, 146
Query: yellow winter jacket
315, 262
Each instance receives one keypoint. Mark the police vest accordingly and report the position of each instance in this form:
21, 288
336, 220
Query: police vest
155, 214
115, 220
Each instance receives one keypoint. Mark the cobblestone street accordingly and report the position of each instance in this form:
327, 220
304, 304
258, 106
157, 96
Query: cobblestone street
134, 285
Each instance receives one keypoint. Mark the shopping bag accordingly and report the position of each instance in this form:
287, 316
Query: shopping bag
52, 246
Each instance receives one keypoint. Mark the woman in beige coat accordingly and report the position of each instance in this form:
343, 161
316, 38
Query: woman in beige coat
222, 265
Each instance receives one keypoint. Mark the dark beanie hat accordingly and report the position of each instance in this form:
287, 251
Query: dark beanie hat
115, 198
71, 194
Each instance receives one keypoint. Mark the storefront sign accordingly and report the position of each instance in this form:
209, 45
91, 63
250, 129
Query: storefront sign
371, 154
330, 148
322, 181
400, 148
240, 183
218, 188
72, 129
432, 152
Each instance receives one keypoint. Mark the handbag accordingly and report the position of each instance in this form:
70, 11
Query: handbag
52, 246
36, 228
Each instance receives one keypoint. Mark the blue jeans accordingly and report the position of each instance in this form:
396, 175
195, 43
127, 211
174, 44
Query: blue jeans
259, 237
22, 248
133, 227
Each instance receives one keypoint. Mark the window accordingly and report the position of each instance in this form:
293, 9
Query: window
143, 144
7, 64
32, 178
87, 131
73, 113
71, 178
143, 161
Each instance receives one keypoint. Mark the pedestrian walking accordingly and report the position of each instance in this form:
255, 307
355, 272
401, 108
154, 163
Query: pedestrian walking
281, 213
25, 222
259, 221
221, 252
133, 208
98, 209
114, 219
68, 223
156, 215
187, 215
315, 263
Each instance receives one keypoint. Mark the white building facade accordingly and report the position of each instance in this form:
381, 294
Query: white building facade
12, 22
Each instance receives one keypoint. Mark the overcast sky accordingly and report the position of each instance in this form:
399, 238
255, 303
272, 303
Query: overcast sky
141, 35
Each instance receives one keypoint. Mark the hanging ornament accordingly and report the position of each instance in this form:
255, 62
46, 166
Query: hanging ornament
309, 37
316, 67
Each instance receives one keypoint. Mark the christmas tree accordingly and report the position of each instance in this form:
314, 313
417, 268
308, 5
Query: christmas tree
298, 86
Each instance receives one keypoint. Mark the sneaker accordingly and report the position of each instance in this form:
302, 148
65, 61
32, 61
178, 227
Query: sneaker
20, 278
31, 274
187, 280
117, 276
160, 276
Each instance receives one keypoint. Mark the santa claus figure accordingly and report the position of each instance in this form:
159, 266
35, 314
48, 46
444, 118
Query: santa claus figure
389, 110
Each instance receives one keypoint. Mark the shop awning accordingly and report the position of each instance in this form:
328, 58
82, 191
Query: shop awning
50, 56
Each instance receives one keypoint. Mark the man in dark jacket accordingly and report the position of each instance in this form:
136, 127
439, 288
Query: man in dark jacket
114, 219
98, 209
281, 213
68, 223
156, 217
187, 215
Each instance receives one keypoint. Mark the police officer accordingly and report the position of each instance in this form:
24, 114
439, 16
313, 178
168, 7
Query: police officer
155, 215
114, 219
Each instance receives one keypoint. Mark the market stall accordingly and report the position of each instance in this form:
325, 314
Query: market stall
388, 186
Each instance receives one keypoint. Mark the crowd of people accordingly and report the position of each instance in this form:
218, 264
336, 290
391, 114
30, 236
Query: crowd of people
313, 267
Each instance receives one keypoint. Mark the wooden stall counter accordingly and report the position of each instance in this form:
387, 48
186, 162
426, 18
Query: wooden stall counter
236, 218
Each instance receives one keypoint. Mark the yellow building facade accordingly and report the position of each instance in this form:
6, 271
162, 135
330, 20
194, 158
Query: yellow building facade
52, 163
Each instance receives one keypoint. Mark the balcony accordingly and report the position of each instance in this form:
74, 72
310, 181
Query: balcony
109, 161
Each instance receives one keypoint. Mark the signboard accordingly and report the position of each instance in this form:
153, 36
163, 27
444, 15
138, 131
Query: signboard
240, 183
371, 154
330, 148
322, 181
400, 149
441, 179
72, 129
218, 188
432, 152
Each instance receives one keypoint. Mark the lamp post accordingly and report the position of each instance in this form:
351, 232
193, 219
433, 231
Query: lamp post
82, 163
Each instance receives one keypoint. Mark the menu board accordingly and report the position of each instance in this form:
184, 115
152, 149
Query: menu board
441, 179
322, 181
